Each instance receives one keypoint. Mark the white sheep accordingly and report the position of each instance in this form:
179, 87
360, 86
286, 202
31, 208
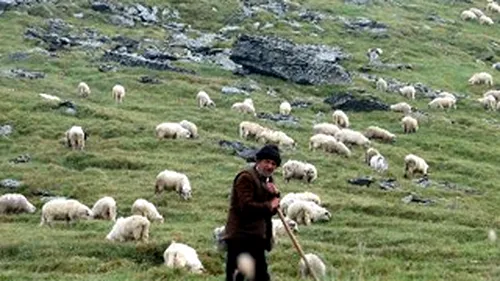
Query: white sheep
49, 97
244, 107
381, 85
370, 152
481, 78
443, 103
325, 128
468, 15
204, 100
83, 89
294, 169
15, 203
132, 228
171, 180
319, 141
279, 227
69, 210
118, 93
494, 93
285, 108
408, 91
379, 163
334, 146
104, 208
249, 129
410, 124
179, 255
317, 266
144, 208
218, 235
171, 130
348, 136
280, 138
477, 12
375, 132
484, 19
488, 102
493, 6
191, 127
340, 118
415, 164
76, 137
446, 95
401, 107
305, 212
292, 197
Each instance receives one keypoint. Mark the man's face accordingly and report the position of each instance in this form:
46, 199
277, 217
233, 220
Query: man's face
266, 167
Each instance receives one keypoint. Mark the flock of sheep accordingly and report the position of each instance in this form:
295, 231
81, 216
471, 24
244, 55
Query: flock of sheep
301, 208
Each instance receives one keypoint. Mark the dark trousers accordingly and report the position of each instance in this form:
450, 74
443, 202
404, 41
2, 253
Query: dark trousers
255, 247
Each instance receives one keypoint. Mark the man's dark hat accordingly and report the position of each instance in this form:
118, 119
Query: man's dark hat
270, 152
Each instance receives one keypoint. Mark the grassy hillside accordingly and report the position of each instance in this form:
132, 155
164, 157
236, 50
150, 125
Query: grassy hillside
373, 235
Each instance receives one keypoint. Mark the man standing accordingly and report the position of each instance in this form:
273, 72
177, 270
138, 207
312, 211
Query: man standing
254, 200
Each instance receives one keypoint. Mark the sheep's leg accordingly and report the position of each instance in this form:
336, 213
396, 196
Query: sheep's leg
169, 262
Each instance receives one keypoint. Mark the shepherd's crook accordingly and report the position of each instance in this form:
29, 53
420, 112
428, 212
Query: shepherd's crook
296, 244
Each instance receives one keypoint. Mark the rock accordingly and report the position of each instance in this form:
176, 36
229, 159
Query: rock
364, 24
10, 183
78, 15
347, 102
496, 66
21, 73
416, 199
154, 54
5, 130
70, 111
302, 64
362, 181
101, 7
107, 68
312, 16
388, 184
24, 158
66, 104
300, 104
278, 117
358, 2
149, 80
121, 21
238, 148
438, 19
424, 182
233, 91
277, 7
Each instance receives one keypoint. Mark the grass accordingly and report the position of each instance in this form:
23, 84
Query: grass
372, 236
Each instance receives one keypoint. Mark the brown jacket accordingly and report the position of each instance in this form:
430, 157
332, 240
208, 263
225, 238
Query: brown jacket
250, 208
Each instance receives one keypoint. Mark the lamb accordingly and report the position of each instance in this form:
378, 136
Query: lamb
374, 132
191, 127
171, 130
305, 212
244, 107
179, 255
285, 108
146, 209
49, 97
317, 266
481, 78
340, 118
69, 210
415, 164
250, 129
15, 203
468, 15
442, 103
370, 152
408, 91
488, 102
132, 228
204, 100
83, 89
325, 128
104, 208
294, 169
303, 196
381, 85
352, 137
172, 180
410, 124
118, 93
484, 19
76, 137
401, 107
269, 136
379, 163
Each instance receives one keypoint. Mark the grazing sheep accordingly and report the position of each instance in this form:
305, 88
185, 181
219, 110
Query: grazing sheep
49, 97
171, 130
250, 129
401, 107
374, 132
118, 93
317, 266
325, 128
179, 255
146, 209
132, 228
334, 146
484, 19
285, 108
171, 180
494, 93
69, 210
191, 127
410, 124
468, 15
319, 141
15, 203
76, 137
305, 212
379, 163
442, 103
477, 12
381, 85
204, 100
493, 6
104, 208
279, 227
370, 152
481, 78
488, 102
303, 196
352, 137
244, 107
415, 164
446, 95
408, 91
340, 118
294, 169
83, 89
269, 136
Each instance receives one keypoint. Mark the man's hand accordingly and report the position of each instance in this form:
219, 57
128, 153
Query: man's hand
272, 188
275, 203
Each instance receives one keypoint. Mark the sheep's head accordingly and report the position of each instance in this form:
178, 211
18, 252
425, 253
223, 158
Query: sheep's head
293, 225
85, 213
186, 192
323, 215
31, 208
159, 218
311, 174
